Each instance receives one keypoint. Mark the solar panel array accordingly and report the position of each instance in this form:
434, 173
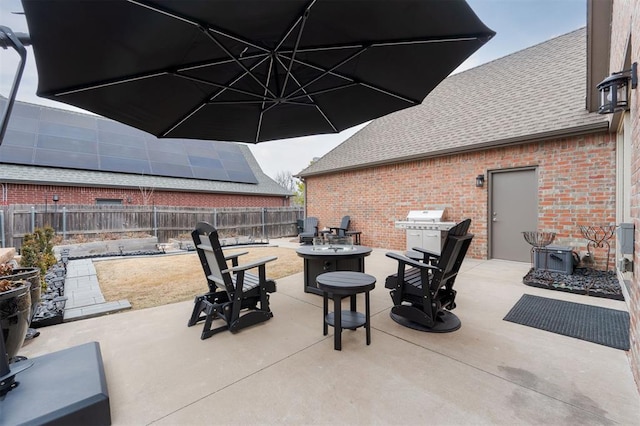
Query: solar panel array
43, 136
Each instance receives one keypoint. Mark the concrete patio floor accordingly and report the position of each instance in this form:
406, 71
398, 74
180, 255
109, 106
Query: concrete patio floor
285, 371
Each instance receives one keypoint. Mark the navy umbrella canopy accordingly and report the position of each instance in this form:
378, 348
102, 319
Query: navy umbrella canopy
248, 70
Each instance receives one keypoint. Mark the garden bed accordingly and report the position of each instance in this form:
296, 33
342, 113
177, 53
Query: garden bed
587, 281
147, 245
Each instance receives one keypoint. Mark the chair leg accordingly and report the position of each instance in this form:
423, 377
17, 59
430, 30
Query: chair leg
213, 311
197, 309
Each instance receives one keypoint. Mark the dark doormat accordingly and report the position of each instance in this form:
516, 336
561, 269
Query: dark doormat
609, 327
588, 281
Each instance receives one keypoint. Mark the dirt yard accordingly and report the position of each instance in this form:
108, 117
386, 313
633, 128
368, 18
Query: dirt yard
162, 279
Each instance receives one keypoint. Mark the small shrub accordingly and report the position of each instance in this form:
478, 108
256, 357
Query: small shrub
37, 250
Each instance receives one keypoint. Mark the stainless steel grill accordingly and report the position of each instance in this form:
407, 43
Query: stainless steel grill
425, 229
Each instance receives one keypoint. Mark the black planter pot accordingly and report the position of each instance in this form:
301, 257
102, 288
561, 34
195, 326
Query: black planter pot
15, 306
33, 276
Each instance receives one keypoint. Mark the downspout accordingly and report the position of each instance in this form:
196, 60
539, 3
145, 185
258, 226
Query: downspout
305, 197
5, 194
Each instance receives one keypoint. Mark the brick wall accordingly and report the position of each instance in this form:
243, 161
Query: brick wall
625, 39
39, 194
576, 186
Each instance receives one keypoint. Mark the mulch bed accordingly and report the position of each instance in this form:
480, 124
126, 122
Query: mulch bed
587, 281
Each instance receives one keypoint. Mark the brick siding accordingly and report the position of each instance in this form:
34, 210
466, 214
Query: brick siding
41, 194
625, 33
576, 186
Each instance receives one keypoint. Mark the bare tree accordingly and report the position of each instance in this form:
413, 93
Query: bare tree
146, 193
292, 184
286, 180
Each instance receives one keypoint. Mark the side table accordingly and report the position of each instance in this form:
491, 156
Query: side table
341, 284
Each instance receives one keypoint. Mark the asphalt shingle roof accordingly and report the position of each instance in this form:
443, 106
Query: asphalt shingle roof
536, 93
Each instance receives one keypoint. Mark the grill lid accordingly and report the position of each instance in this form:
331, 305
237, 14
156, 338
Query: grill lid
425, 215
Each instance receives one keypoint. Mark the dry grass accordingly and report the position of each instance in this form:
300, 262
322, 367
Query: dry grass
159, 280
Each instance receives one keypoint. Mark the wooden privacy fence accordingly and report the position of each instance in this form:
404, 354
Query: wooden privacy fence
90, 222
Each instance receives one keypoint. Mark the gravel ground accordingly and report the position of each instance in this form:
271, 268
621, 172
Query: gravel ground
587, 281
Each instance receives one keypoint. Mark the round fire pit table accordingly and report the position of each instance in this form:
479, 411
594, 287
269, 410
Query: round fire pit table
318, 261
336, 285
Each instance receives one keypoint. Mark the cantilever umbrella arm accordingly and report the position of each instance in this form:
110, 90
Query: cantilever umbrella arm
17, 42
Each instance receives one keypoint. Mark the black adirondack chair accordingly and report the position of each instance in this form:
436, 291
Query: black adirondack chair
422, 291
237, 297
310, 230
341, 230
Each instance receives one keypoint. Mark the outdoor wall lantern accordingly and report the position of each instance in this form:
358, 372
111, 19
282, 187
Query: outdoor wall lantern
614, 90
479, 181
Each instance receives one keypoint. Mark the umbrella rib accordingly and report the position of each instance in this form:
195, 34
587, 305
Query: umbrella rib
228, 87
212, 97
328, 71
428, 40
185, 118
220, 62
199, 25
110, 83
368, 85
314, 103
150, 74
219, 86
259, 126
238, 62
257, 101
295, 24
320, 92
302, 21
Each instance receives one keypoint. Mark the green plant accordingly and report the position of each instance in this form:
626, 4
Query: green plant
37, 250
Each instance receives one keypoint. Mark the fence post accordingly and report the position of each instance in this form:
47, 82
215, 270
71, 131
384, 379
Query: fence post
265, 235
155, 222
215, 218
2, 227
33, 219
64, 223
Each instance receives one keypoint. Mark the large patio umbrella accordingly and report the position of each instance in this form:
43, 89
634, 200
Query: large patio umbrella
251, 70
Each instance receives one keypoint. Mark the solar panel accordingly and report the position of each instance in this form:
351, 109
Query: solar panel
42, 136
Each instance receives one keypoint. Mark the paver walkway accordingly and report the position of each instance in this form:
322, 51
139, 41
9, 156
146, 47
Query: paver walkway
84, 298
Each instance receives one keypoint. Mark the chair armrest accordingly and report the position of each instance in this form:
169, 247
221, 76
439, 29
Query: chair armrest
254, 264
337, 229
407, 261
425, 251
236, 255
233, 257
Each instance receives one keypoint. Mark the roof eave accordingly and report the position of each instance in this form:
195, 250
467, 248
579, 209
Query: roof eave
602, 126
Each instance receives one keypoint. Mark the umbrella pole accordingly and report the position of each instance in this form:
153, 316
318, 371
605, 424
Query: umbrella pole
17, 41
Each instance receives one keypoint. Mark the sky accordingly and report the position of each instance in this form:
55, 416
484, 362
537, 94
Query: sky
518, 24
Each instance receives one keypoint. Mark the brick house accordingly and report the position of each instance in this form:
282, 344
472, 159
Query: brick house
86, 159
524, 114
528, 124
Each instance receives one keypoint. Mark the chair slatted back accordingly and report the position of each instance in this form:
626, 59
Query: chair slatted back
310, 224
205, 238
345, 222
455, 248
